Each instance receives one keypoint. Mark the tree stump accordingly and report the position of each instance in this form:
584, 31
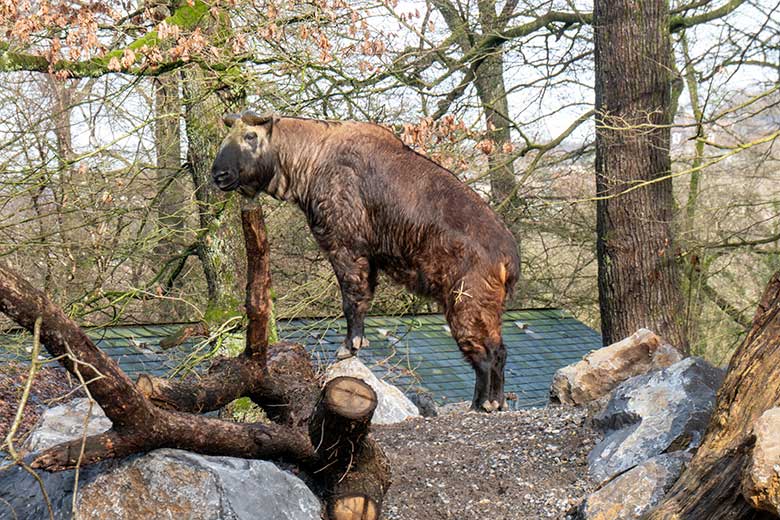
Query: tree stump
353, 466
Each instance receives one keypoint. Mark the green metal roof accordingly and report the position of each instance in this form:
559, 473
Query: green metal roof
418, 351
409, 351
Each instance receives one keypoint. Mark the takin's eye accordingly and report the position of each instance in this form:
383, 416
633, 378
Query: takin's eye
250, 137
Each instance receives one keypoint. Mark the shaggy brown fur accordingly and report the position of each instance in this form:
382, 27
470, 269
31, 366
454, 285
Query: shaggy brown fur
374, 204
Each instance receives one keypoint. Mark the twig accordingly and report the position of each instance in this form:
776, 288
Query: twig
9, 440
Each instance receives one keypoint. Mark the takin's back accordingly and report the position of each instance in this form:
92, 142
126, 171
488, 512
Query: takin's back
415, 209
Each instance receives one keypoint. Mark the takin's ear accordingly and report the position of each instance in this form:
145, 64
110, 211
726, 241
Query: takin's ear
255, 119
229, 119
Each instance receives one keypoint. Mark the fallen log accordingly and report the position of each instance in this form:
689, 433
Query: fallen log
324, 432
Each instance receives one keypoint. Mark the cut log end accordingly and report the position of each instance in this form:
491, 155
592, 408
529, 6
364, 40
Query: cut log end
354, 507
349, 397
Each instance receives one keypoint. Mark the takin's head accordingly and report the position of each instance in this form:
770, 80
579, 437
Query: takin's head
245, 161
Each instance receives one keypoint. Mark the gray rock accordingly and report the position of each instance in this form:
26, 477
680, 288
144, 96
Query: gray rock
66, 422
761, 478
602, 370
392, 406
424, 402
666, 410
162, 484
636, 491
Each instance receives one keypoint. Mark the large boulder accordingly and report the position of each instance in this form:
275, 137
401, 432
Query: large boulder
392, 405
602, 370
161, 484
663, 411
636, 491
761, 479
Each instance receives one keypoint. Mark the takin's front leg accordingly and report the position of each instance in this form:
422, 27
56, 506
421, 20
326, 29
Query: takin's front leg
357, 280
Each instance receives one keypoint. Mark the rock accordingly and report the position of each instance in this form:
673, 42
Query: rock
392, 407
761, 478
423, 401
663, 411
636, 491
454, 408
602, 370
161, 484
65, 422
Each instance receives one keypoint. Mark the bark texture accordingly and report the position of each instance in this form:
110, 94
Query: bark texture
638, 279
353, 467
220, 247
710, 485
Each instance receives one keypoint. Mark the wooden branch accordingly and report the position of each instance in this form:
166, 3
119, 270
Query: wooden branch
287, 390
227, 380
710, 485
63, 339
258, 283
678, 23
167, 429
195, 330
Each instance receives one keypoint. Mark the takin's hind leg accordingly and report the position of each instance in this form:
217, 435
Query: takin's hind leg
474, 315
481, 361
497, 398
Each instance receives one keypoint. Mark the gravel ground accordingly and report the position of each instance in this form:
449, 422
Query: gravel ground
527, 464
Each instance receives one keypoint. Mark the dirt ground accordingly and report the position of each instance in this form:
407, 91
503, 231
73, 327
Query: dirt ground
527, 464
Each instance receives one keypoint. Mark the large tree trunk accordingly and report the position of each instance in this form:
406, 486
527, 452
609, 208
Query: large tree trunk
638, 280
710, 485
220, 248
490, 86
489, 81
171, 191
167, 143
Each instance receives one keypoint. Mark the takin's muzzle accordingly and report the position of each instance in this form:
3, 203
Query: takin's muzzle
224, 171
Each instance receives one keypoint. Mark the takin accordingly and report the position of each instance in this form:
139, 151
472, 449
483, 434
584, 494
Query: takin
373, 204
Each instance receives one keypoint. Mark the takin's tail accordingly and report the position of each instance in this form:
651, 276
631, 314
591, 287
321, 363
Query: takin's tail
509, 272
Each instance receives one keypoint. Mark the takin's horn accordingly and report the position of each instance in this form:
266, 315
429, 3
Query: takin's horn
229, 119
255, 119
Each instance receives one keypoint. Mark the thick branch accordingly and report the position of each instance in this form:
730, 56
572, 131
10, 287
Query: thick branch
63, 339
286, 391
185, 17
258, 283
678, 23
168, 429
